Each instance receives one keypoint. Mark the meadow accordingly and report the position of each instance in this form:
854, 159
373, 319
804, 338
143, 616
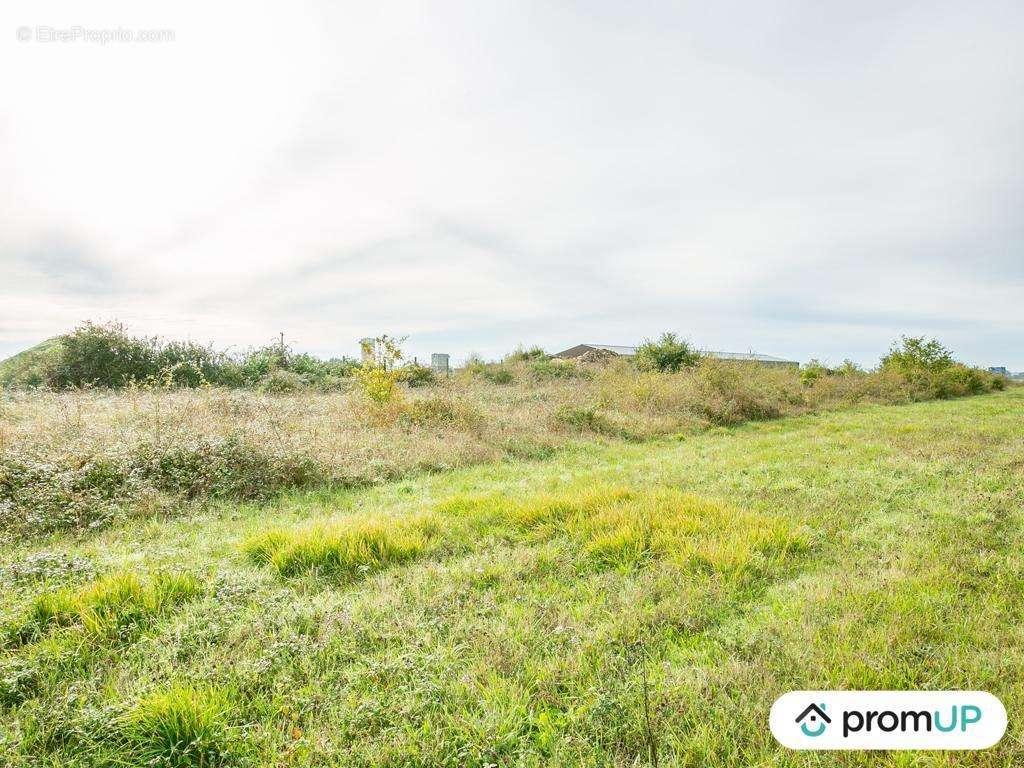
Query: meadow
526, 563
613, 604
84, 457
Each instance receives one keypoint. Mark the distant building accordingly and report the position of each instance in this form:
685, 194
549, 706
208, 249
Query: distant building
747, 357
999, 370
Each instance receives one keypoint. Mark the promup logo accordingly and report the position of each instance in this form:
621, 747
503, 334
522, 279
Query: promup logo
888, 720
815, 713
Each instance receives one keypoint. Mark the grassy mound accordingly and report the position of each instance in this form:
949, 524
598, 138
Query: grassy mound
29, 368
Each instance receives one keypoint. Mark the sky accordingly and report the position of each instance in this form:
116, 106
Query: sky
802, 179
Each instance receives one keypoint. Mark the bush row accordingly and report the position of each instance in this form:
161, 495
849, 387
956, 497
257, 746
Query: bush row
105, 355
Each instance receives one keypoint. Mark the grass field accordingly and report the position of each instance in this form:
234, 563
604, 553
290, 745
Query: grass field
621, 604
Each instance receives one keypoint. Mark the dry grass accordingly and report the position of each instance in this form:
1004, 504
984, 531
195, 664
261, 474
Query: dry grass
80, 459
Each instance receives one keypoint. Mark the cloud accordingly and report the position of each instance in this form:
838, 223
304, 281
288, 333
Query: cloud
805, 179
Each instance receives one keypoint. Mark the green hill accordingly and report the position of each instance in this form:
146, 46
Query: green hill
27, 368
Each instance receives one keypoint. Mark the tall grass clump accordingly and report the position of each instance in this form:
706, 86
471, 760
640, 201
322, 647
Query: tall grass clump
344, 551
181, 727
626, 527
109, 607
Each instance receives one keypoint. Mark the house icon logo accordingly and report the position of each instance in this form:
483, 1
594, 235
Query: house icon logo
816, 720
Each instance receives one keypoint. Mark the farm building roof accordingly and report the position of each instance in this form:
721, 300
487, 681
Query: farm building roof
625, 351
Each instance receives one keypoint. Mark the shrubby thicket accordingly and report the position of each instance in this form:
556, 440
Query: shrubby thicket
105, 355
141, 425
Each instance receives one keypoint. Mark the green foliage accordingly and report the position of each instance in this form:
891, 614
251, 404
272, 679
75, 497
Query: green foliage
555, 368
499, 375
378, 376
415, 375
105, 355
584, 419
727, 394
914, 354
929, 368
228, 468
384, 352
282, 382
444, 412
38, 496
377, 384
522, 354
276, 368
474, 364
812, 371
30, 369
848, 368
668, 354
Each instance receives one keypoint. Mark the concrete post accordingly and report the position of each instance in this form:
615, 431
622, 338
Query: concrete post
439, 363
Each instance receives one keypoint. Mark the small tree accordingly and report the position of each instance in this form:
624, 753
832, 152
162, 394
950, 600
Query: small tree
915, 354
814, 370
378, 376
668, 354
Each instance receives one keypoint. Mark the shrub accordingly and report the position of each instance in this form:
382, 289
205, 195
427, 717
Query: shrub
499, 375
523, 355
728, 394
849, 368
474, 364
554, 368
668, 354
445, 411
957, 380
417, 375
105, 355
41, 494
378, 385
913, 354
813, 371
281, 382
229, 467
378, 376
930, 370
584, 419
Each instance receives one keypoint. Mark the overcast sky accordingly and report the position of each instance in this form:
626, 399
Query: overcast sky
803, 179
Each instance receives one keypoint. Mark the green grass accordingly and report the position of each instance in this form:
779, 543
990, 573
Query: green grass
180, 727
28, 367
510, 614
348, 551
107, 607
